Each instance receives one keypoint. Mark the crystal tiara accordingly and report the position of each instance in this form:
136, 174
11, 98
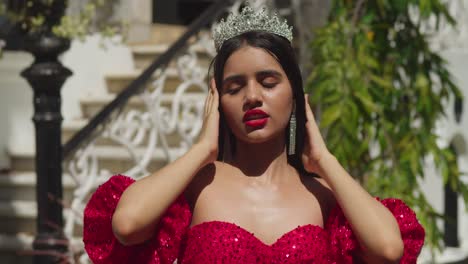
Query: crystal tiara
249, 20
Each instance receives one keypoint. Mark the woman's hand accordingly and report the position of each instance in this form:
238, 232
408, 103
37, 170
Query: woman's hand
209, 135
314, 145
374, 226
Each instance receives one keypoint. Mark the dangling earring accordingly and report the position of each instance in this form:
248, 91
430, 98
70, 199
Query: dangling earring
292, 131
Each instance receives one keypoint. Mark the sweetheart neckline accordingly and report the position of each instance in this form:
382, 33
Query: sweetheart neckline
278, 240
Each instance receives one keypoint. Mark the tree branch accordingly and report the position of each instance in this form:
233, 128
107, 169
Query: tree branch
357, 11
354, 20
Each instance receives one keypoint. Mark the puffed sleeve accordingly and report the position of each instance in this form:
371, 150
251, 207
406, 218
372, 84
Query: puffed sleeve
103, 247
344, 244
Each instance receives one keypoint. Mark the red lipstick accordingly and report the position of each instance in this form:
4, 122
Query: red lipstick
255, 118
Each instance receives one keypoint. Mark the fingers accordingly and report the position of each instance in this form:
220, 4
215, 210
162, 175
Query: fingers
214, 90
212, 85
309, 114
212, 100
207, 104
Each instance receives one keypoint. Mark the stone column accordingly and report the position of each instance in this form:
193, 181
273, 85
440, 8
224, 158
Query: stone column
309, 15
140, 18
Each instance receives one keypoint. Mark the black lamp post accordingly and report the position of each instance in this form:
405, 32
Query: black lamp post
46, 76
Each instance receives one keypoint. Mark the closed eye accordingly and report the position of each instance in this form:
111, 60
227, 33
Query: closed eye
233, 90
234, 87
233, 84
269, 82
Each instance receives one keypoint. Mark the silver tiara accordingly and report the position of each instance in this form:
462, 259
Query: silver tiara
249, 20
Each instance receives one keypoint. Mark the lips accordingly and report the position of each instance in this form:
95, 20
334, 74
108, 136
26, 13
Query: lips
255, 118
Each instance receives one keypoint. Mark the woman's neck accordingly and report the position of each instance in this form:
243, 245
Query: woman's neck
264, 163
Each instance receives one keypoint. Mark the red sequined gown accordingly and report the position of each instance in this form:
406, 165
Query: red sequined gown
222, 242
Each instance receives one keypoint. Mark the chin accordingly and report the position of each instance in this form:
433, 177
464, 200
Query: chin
258, 136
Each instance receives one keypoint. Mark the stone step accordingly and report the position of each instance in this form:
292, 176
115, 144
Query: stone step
114, 159
117, 82
14, 248
160, 33
17, 216
20, 217
17, 248
91, 105
16, 257
71, 126
21, 186
144, 55
163, 34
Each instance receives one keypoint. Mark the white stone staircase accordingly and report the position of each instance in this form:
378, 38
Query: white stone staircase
17, 187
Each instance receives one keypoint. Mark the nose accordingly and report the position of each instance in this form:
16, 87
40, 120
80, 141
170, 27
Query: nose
253, 95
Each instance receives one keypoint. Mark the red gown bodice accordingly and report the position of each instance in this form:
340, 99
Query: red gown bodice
223, 242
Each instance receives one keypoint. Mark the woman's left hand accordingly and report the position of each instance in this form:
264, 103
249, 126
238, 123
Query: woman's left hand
314, 145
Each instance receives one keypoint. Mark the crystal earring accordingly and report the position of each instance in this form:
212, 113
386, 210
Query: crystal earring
292, 131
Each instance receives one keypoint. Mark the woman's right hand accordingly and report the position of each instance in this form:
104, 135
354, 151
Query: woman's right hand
209, 135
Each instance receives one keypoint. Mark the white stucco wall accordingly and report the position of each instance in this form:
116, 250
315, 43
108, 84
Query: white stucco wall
89, 63
15, 103
448, 129
458, 132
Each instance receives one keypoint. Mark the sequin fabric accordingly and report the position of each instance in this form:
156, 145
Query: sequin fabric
222, 242
101, 244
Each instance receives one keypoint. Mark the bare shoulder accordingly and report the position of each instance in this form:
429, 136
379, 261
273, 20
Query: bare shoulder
210, 192
322, 191
203, 178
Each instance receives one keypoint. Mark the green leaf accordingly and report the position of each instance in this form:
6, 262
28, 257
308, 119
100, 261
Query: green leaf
330, 115
379, 83
366, 100
385, 83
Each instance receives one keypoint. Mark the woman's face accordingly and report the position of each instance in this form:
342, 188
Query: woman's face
256, 96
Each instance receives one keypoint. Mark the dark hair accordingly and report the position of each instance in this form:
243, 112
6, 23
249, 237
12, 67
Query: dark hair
280, 48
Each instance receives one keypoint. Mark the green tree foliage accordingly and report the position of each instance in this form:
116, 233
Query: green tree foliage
37, 15
381, 90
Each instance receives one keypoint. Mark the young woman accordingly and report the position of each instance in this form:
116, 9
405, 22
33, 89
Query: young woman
248, 191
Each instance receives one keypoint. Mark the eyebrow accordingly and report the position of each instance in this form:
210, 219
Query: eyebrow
269, 72
237, 77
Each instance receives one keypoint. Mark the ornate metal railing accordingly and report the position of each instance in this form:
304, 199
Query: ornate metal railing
160, 132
